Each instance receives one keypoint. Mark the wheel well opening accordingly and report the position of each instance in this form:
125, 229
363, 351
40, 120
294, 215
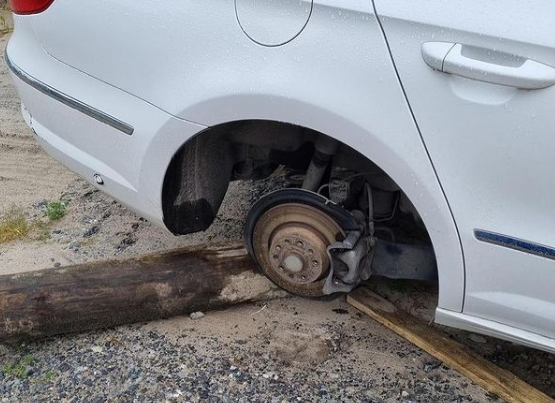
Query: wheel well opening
199, 174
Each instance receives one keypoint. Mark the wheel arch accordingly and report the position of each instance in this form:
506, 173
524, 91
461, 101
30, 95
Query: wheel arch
399, 153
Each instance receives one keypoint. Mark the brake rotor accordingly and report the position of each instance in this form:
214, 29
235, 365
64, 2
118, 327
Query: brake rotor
288, 233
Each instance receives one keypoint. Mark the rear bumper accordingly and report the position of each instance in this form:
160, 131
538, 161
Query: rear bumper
94, 128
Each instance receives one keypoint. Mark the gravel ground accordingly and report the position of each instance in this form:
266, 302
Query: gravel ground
286, 350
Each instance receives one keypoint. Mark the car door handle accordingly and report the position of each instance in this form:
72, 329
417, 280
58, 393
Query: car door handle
487, 66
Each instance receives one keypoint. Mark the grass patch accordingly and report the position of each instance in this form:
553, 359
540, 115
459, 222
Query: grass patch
47, 378
19, 368
13, 225
55, 210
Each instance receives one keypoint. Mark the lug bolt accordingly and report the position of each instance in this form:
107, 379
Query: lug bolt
299, 243
278, 247
314, 263
303, 278
280, 267
310, 251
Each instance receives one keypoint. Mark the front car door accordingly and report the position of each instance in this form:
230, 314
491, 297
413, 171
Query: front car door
489, 127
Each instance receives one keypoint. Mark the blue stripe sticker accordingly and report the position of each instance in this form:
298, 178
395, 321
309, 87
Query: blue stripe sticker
515, 243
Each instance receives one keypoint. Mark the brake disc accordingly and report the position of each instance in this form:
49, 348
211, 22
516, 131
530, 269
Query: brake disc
288, 233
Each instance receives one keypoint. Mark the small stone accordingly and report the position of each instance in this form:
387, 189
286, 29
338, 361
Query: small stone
404, 393
97, 349
64, 367
85, 219
57, 264
91, 231
42, 203
88, 193
74, 245
57, 231
430, 366
476, 338
196, 315
128, 241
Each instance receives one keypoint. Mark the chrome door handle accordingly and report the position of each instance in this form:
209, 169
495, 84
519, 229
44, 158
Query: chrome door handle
467, 61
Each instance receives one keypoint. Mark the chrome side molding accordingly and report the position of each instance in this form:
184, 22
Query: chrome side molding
68, 100
515, 243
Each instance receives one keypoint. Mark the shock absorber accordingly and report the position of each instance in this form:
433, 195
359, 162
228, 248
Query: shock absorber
324, 149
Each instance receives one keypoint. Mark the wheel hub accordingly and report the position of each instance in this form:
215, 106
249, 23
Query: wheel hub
298, 251
290, 243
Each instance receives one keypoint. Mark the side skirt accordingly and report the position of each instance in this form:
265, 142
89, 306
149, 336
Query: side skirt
495, 329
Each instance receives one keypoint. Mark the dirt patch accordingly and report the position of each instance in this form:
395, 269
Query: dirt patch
247, 284
26, 171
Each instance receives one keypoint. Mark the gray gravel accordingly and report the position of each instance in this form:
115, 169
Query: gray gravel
286, 351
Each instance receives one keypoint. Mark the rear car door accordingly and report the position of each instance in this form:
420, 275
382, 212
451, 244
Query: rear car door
489, 127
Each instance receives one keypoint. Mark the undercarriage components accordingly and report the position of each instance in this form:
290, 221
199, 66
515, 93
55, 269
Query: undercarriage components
350, 263
404, 261
312, 247
324, 148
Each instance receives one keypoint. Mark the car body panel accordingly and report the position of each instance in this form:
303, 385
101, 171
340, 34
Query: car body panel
492, 145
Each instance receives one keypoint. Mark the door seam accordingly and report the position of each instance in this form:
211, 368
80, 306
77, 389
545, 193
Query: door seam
425, 148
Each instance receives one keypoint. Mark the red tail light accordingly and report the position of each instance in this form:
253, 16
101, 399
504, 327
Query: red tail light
29, 6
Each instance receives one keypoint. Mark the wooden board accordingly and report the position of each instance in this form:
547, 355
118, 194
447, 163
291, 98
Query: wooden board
104, 294
484, 373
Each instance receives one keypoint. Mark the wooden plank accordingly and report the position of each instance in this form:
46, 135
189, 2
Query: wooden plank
104, 294
479, 370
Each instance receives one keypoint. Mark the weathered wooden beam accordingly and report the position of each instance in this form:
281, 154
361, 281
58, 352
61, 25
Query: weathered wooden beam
479, 370
104, 294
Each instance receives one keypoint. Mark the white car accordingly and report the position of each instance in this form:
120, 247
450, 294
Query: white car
430, 123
